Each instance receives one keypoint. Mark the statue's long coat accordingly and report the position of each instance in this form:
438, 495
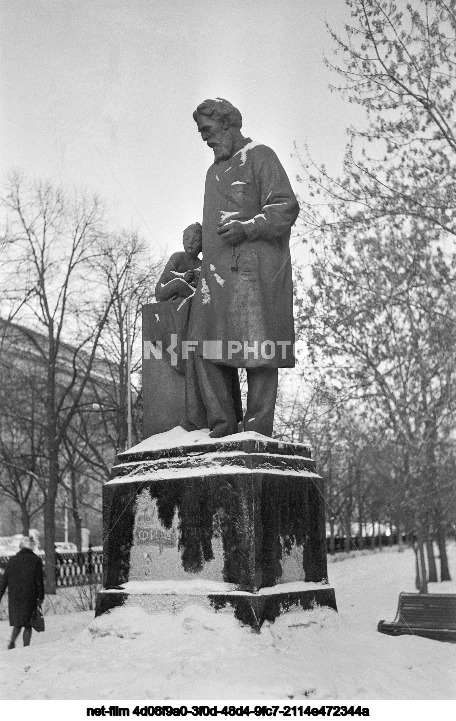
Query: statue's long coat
245, 292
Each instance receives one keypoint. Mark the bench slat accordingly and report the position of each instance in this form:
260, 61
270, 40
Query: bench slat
430, 615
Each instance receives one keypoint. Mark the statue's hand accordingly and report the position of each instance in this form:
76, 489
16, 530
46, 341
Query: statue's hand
232, 231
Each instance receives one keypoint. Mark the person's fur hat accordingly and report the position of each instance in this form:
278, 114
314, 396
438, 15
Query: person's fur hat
27, 542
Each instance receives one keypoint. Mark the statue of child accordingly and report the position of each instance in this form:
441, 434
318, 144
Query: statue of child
180, 275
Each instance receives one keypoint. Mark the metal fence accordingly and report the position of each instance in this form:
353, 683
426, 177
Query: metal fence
73, 569
78, 569
355, 543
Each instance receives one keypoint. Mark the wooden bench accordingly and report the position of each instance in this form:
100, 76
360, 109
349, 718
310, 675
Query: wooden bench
432, 615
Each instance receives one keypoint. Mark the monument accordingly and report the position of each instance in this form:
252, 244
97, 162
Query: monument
164, 326
242, 310
202, 513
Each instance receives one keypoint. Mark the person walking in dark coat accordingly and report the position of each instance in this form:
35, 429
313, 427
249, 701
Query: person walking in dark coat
24, 578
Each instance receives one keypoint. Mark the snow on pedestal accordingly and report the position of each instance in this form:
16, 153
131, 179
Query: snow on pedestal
234, 524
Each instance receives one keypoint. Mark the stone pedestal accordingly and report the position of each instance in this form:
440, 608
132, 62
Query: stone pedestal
235, 524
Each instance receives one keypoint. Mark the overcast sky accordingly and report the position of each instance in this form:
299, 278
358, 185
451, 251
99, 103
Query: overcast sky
100, 94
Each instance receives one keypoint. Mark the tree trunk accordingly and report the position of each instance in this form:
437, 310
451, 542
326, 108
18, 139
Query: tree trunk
53, 458
49, 545
417, 568
380, 537
75, 513
25, 517
432, 568
347, 541
77, 529
422, 560
49, 523
441, 542
429, 485
332, 538
360, 510
122, 430
400, 542
360, 538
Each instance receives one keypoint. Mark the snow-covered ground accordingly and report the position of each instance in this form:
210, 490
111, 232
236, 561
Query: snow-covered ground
197, 654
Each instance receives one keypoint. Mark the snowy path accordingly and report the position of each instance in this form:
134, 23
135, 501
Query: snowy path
198, 655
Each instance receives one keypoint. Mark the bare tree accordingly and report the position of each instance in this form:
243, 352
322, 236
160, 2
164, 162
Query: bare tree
387, 333
23, 464
382, 303
99, 430
396, 61
56, 243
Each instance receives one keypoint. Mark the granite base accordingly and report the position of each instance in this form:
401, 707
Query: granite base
235, 524
250, 609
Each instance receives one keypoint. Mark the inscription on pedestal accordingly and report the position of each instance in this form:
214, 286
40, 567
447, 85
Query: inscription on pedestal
148, 529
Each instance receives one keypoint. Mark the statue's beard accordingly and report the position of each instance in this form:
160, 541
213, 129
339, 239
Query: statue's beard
223, 150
